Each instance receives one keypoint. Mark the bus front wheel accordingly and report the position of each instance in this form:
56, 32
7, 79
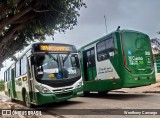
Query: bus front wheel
10, 96
27, 100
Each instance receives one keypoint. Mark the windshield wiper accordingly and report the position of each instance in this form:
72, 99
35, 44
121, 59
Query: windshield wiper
66, 57
52, 57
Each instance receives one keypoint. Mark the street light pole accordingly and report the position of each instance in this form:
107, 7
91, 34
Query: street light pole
105, 23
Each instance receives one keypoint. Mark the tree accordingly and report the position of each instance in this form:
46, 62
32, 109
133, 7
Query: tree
1, 85
155, 44
22, 21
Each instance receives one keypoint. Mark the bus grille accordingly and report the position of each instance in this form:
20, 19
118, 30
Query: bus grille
64, 94
61, 90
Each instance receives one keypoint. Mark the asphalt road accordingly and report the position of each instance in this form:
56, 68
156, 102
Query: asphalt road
96, 105
101, 103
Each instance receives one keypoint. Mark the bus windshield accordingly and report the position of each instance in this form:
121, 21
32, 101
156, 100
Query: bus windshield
56, 66
137, 52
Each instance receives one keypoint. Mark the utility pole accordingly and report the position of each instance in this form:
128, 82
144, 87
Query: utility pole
105, 23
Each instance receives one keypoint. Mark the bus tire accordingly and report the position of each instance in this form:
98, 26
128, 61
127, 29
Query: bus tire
102, 93
10, 97
86, 93
27, 100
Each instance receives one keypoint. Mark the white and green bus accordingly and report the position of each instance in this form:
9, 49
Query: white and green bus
121, 59
45, 73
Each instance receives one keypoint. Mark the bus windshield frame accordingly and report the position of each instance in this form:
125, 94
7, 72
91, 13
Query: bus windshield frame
54, 69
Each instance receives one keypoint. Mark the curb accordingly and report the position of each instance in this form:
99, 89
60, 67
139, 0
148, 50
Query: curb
151, 92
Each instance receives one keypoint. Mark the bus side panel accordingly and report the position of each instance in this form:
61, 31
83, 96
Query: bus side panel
91, 86
18, 87
108, 85
109, 69
105, 74
13, 91
6, 88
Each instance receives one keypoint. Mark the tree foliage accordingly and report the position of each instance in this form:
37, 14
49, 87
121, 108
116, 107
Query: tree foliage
1, 85
22, 21
155, 44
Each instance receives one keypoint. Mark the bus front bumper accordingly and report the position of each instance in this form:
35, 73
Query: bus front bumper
44, 98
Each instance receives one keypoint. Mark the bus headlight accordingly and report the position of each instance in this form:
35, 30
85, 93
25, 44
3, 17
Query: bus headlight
42, 89
79, 84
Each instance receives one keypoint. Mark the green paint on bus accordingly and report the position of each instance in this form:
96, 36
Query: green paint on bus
45, 73
120, 59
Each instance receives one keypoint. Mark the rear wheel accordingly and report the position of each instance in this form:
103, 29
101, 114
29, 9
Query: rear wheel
102, 93
86, 93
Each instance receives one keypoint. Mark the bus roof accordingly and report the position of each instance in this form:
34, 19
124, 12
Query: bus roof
110, 34
30, 47
50, 43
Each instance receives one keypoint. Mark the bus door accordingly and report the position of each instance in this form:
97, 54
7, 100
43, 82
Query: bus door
89, 64
13, 90
18, 80
107, 60
31, 79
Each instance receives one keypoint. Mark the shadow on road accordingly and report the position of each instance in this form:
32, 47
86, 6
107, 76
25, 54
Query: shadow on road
58, 104
81, 100
118, 96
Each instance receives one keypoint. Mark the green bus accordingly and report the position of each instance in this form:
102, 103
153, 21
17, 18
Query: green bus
45, 73
121, 59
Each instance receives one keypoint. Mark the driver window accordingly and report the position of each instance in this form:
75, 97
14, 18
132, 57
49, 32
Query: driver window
74, 61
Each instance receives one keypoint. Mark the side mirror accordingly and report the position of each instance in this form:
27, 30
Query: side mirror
111, 54
75, 61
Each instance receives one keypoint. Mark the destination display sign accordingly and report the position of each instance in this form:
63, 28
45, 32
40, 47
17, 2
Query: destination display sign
53, 48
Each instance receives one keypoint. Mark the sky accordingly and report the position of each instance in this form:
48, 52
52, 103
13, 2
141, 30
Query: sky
139, 15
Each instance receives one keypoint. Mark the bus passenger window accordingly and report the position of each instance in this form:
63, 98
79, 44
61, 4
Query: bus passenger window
105, 49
